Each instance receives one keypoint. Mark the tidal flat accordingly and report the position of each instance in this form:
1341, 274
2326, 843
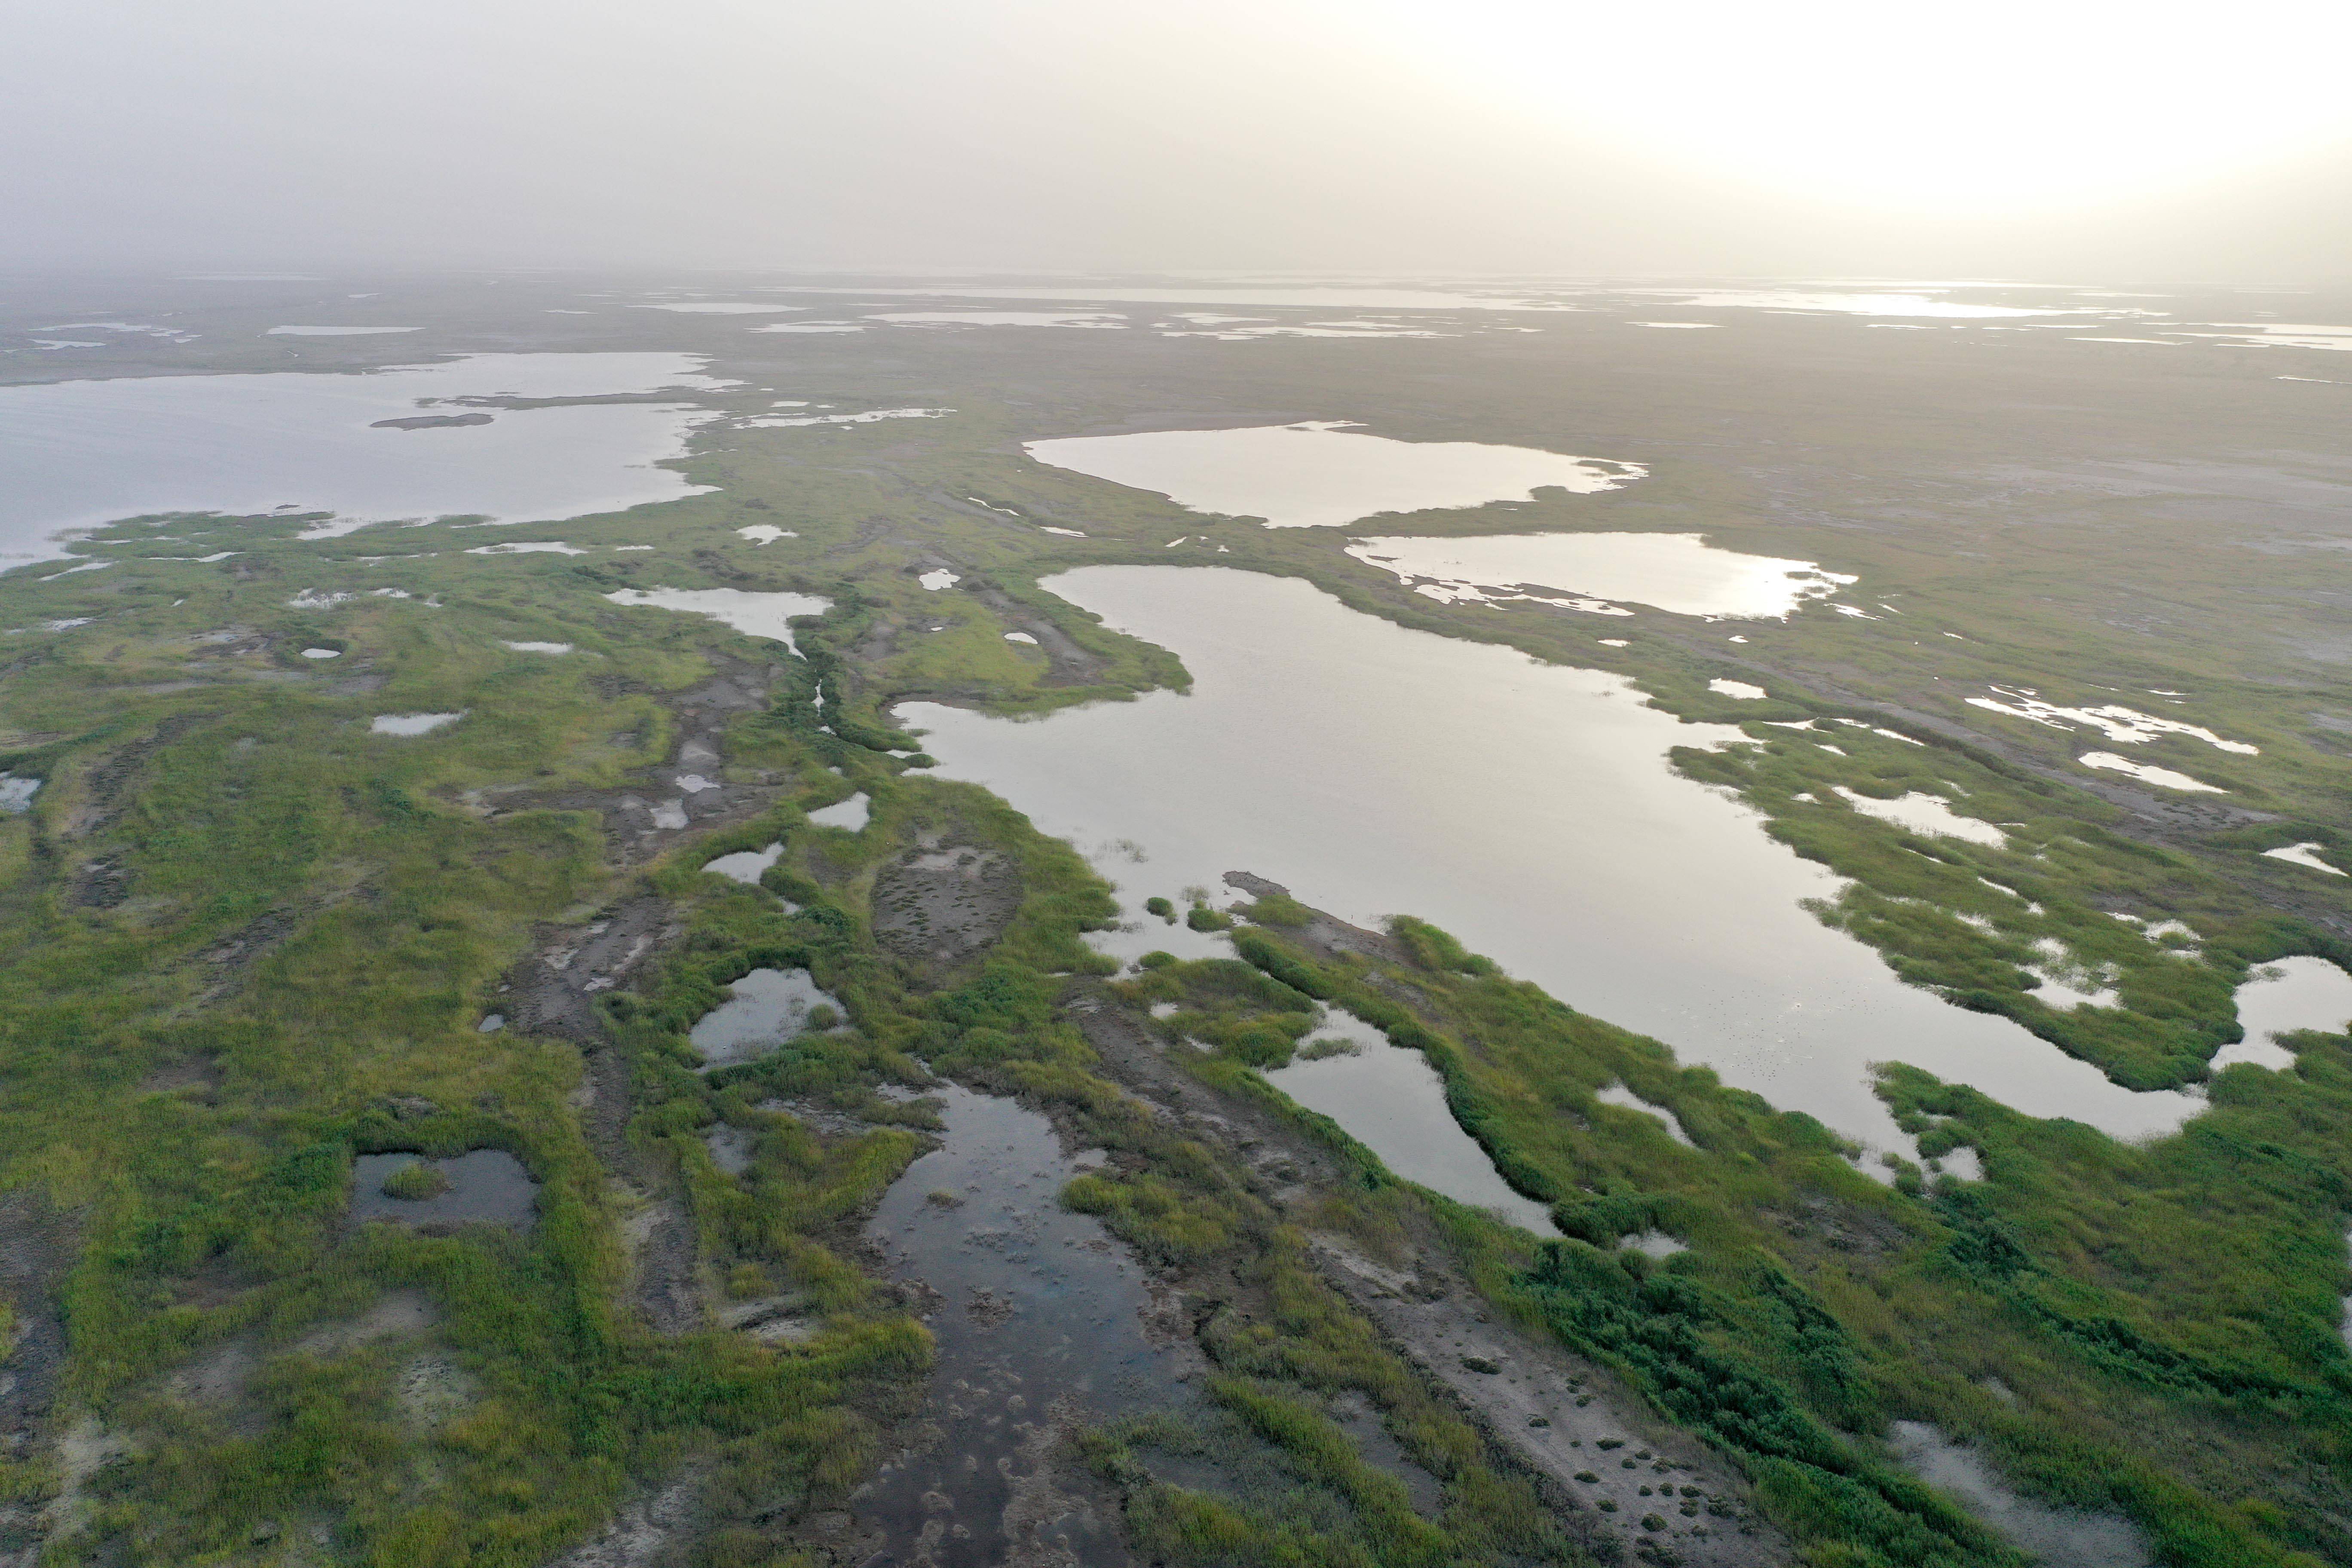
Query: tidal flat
1738, 1089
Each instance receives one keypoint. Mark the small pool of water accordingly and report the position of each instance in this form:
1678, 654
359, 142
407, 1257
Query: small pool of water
768, 1006
1043, 1321
1322, 474
1617, 1094
412, 724
1931, 814
1390, 1099
487, 1186
754, 615
2126, 726
2060, 1537
2148, 772
2306, 855
1681, 573
745, 864
2280, 997
850, 816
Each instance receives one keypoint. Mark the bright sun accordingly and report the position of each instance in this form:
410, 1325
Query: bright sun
2002, 106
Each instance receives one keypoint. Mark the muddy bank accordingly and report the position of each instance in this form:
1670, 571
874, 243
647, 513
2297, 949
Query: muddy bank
939, 903
1504, 1380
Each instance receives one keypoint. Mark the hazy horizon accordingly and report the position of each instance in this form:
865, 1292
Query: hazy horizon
1494, 138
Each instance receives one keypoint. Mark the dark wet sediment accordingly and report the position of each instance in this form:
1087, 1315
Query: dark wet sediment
1044, 1324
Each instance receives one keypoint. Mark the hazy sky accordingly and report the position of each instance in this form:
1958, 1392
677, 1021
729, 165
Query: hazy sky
2047, 140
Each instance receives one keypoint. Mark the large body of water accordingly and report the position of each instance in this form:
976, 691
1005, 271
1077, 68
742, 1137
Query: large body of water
76, 454
1322, 474
1530, 809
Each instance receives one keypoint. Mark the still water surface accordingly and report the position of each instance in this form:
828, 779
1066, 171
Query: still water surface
1529, 809
1322, 474
75, 454
1391, 1100
1676, 572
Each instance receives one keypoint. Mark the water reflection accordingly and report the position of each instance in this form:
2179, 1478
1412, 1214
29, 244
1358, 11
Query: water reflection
1391, 1100
1529, 808
1677, 572
2281, 999
1322, 474
2060, 1537
757, 615
78, 453
767, 1007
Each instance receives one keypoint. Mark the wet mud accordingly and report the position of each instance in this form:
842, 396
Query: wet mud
940, 903
1044, 1324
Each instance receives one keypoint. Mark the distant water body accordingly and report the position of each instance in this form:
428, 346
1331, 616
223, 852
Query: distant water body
79, 454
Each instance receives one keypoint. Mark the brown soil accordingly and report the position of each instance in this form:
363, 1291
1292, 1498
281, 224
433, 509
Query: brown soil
940, 903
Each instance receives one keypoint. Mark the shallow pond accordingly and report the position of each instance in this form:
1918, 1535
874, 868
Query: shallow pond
1677, 572
2304, 855
1929, 815
754, 615
488, 1186
1624, 1098
1043, 1321
1321, 474
1390, 1099
745, 866
1527, 808
2148, 772
2060, 1537
2282, 997
75, 454
850, 816
767, 1007
410, 723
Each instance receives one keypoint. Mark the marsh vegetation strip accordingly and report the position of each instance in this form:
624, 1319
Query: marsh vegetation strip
1043, 1323
75, 454
1676, 572
1390, 1099
1529, 809
2281, 999
765, 1008
754, 615
2059, 1537
1322, 474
